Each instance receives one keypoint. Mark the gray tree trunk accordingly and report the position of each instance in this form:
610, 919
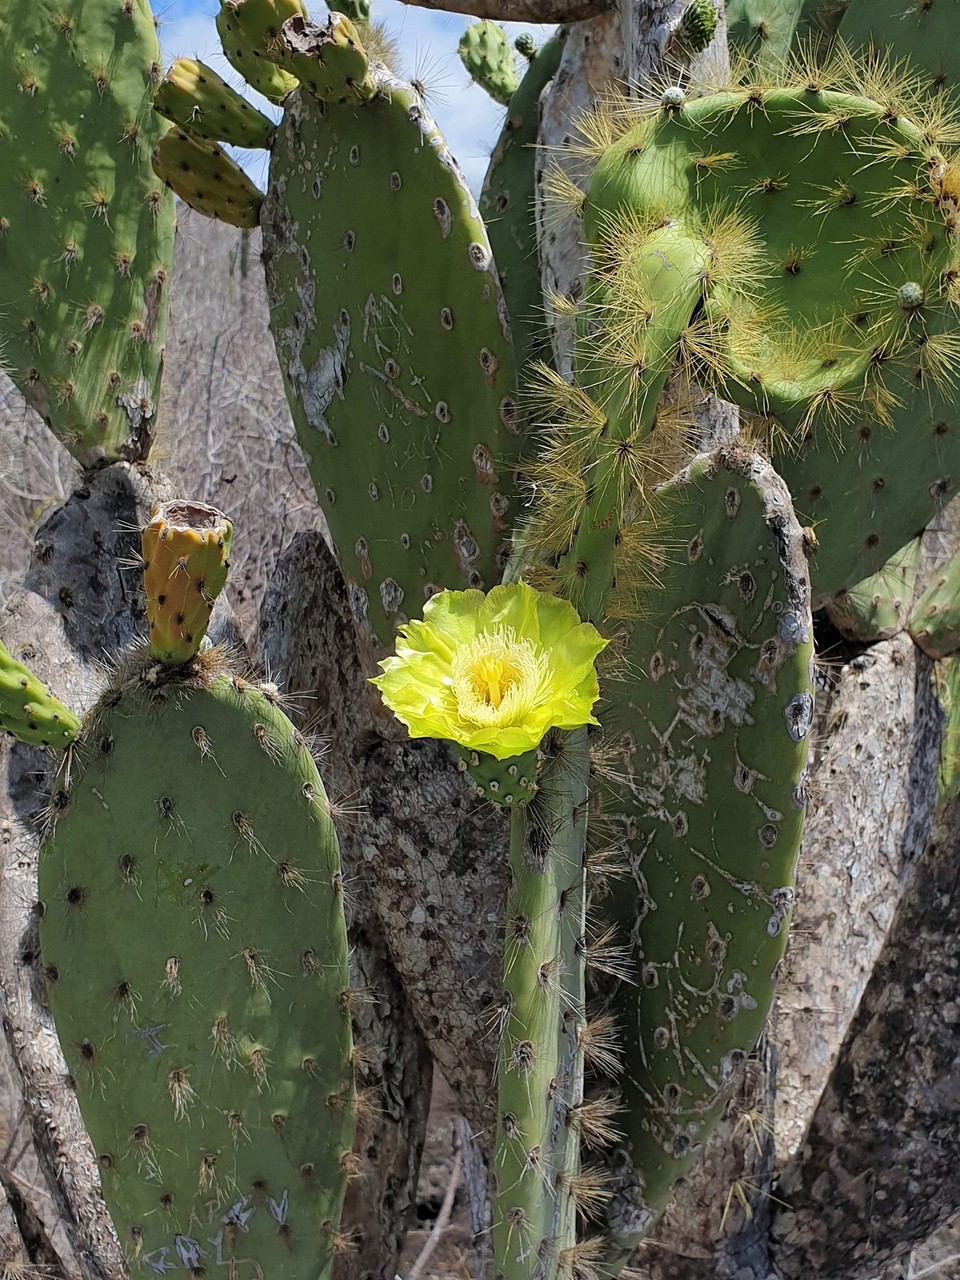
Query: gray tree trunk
839, 1157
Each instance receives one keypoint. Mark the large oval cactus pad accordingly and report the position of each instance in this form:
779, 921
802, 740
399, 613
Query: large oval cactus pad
711, 743
195, 950
389, 324
86, 229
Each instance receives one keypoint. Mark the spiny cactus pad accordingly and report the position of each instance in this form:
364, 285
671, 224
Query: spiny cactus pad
259, 72
86, 230
708, 750
28, 710
207, 179
193, 96
390, 327
196, 959
762, 29
935, 618
487, 54
185, 548
540, 1056
878, 607
826, 205
922, 31
507, 208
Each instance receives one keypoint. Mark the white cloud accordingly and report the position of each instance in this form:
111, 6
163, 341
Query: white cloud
427, 39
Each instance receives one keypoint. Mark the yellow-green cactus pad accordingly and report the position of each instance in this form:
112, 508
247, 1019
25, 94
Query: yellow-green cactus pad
204, 177
28, 710
185, 548
193, 96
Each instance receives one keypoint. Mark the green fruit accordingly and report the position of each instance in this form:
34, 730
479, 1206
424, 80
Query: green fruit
204, 177
486, 52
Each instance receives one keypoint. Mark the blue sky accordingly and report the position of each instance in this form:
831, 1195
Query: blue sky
428, 45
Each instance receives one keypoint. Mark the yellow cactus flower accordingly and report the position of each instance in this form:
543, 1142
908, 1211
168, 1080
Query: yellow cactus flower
493, 672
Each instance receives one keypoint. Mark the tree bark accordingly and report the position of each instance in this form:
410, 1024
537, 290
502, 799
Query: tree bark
520, 10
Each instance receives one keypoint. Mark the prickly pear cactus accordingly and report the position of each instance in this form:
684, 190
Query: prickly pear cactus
488, 56
828, 303
206, 178
390, 326
193, 96
28, 710
935, 617
762, 30
879, 607
86, 229
197, 973
708, 752
507, 204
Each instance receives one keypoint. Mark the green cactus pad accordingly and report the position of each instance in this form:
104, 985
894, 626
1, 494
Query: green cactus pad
948, 691
195, 952
878, 607
935, 618
28, 710
196, 98
260, 22
486, 52
329, 61
922, 31
185, 548
259, 72
829, 295
389, 323
709, 749
205, 178
86, 230
507, 208
540, 1055
762, 30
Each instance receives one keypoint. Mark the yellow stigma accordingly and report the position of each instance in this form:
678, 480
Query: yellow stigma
497, 677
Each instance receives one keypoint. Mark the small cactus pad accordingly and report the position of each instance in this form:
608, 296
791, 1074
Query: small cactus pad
28, 710
329, 61
827, 202
710, 748
506, 206
486, 52
86, 230
259, 72
878, 607
763, 30
935, 618
540, 1056
390, 328
204, 177
196, 98
358, 11
260, 22
195, 952
185, 549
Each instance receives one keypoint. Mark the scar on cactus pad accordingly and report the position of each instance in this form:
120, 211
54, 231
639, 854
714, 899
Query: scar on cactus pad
492, 673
